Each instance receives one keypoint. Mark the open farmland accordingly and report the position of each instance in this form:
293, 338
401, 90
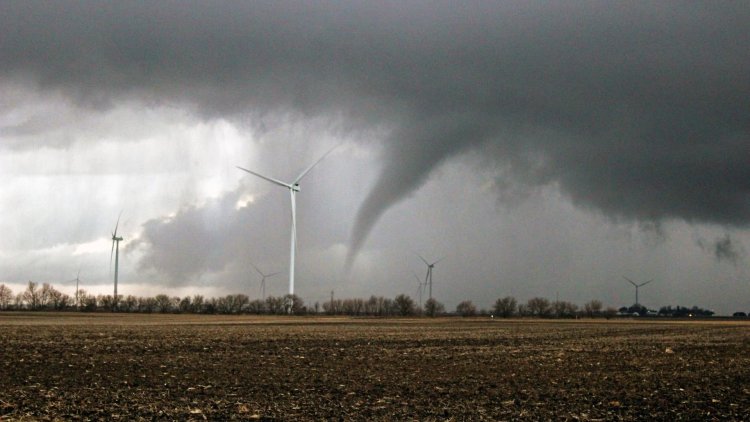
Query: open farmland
125, 367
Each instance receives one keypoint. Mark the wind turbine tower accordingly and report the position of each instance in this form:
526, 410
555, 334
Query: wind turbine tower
78, 298
77, 280
293, 189
428, 276
637, 286
116, 250
263, 278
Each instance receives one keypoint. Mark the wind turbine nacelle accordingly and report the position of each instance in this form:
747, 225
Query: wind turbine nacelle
295, 187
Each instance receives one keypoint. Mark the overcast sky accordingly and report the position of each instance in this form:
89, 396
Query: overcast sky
542, 148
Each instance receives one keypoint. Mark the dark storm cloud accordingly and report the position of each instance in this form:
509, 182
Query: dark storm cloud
637, 109
723, 248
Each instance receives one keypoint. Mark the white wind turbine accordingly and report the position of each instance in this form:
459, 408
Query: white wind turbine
116, 250
428, 276
263, 278
77, 280
293, 189
419, 288
637, 286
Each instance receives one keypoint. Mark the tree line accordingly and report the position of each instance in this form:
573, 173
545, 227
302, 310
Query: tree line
46, 298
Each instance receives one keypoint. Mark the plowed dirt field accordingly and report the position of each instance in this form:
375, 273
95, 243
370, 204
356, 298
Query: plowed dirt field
177, 367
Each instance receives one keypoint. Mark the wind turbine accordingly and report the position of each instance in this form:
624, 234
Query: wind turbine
78, 299
116, 250
293, 189
77, 280
637, 286
263, 280
419, 288
428, 276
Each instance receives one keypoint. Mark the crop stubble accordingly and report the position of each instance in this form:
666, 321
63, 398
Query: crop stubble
130, 367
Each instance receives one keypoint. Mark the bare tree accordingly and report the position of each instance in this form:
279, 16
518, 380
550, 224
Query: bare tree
372, 306
87, 302
163, 303
19, 300
275, 305
146, 304
31, 296
563, 309
185, 305
353, 307
59, 300
256, 306
404, 304
238, 302
506, 307
6, 296
466, 309
381, 305
224, 305
359, 306
389, 307
538, 307
175, 305
78, 296
347, 307
45, 295
333, 307
432, 307
198, 301
129, 304
298, 305
210, 306
592, 308
106, 302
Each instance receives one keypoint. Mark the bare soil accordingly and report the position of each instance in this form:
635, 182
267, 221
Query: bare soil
176, 367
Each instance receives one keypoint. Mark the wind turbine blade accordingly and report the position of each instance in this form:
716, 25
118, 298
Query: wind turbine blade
644, 283
630, 281
423, 260
273, 274
110, 255
416, 277
114, 233
307, 170
439, 260
256, 269
270, 179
